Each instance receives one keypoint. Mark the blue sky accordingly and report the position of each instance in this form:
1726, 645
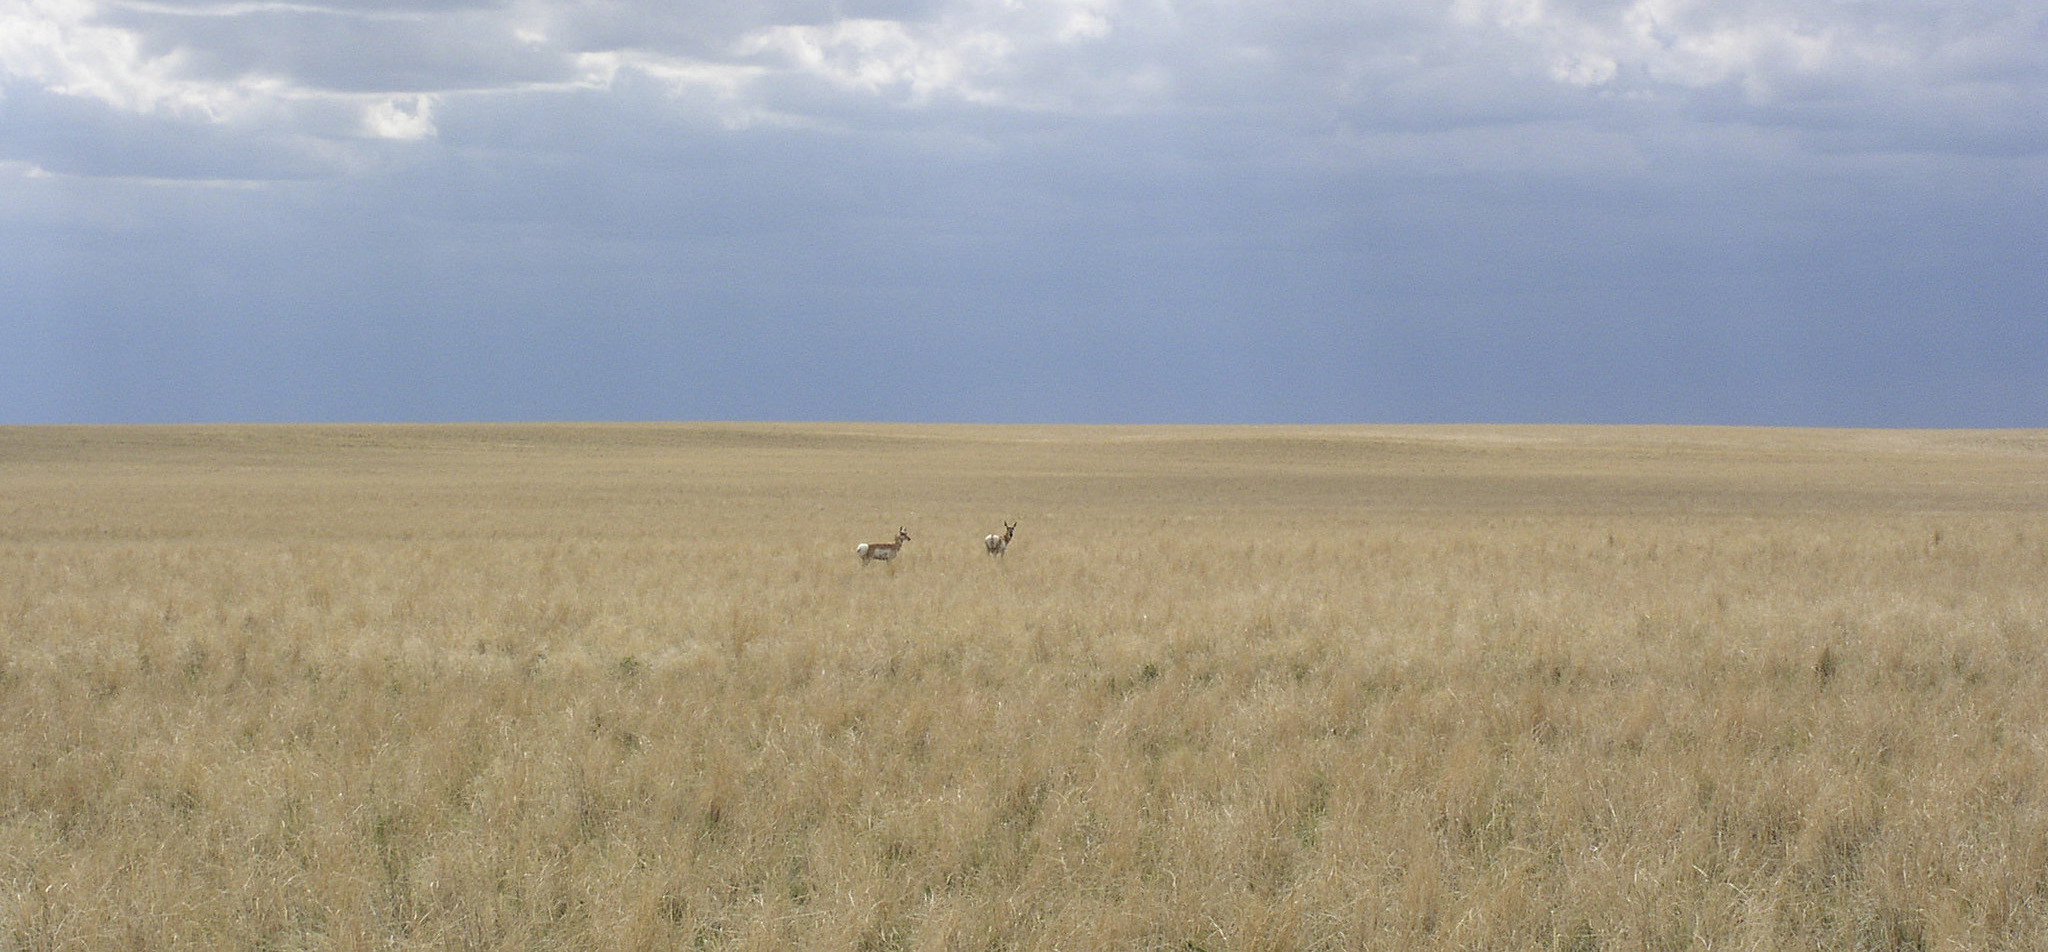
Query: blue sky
1806, 212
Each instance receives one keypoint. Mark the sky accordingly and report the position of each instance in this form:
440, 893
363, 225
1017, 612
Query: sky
1749, 212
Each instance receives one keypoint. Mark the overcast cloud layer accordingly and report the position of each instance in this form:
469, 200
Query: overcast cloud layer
1737, 211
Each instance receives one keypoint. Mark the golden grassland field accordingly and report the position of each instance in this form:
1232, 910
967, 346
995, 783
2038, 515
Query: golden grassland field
629, 687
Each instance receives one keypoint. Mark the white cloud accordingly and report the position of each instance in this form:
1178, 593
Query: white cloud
722, 91
1084, 24
887, 57
1965, 70
1965, 76
1767, 49
400, 117
681, 74
58, 46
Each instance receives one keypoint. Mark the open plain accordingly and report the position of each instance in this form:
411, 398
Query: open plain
629, 687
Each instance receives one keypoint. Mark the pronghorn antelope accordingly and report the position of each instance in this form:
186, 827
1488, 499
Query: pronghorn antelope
882, 551
997, 544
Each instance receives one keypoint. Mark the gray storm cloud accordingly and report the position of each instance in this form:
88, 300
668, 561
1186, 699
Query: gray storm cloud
1308, 67
1735, 210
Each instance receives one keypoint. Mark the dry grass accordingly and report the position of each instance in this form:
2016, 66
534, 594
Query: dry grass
629, 687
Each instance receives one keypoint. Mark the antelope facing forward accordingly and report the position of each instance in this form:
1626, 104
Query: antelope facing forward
998, 544
881, 551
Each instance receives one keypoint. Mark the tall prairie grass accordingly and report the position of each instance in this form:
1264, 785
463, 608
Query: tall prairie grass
624, 687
